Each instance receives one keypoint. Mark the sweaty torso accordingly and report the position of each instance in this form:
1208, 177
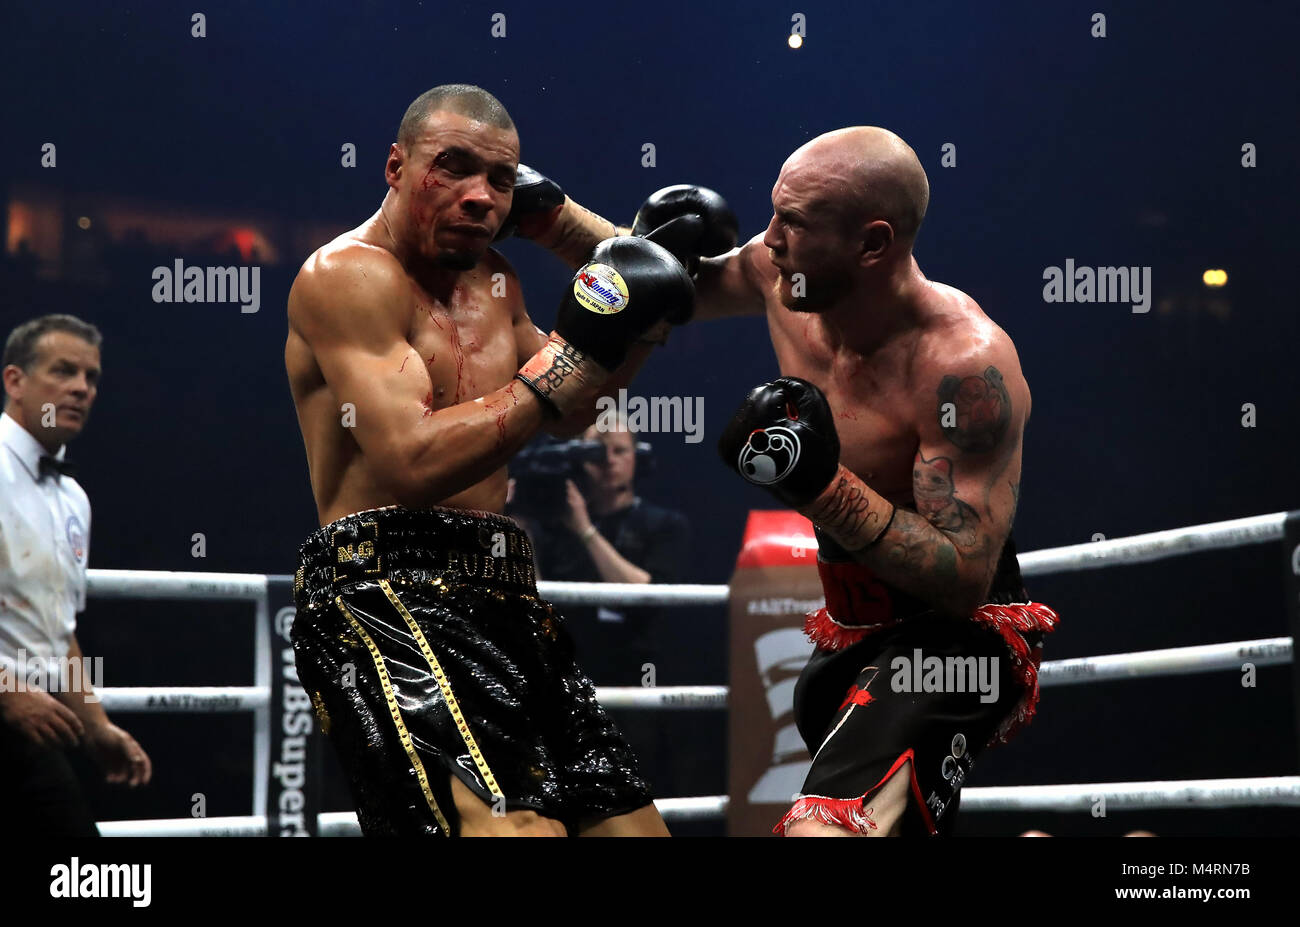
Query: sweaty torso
877, 399
467, 348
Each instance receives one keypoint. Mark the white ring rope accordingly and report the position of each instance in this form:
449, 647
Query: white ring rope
1271, 651
662, 697
1174, 661
1158, 545
344, 823
1268, 791
1262, 792
632, 594
1138, 548
1143, 548
164, 584
159, 699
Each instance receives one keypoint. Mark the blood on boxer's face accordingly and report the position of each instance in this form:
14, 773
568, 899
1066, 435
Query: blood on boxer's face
807, 243
455, 188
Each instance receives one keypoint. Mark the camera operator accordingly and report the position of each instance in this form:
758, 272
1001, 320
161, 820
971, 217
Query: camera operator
594, 528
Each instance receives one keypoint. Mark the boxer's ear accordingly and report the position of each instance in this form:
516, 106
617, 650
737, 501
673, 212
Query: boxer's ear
393, 166
877, 237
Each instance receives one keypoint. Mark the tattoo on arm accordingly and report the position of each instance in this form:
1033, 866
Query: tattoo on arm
845, 511
557, 365
974, 412
929, 561
564, 364
928, 552
945, 549
937, 502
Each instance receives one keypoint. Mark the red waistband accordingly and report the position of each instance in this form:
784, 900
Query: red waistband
862, 602
1010, 622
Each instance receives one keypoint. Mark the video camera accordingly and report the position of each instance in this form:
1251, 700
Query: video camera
540, 469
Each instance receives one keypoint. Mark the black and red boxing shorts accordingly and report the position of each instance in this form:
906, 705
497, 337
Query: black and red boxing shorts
892, 681
427, 654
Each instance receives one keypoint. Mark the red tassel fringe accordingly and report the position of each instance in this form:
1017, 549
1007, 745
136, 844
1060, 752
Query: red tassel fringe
1009, 621
829, 634
844, 812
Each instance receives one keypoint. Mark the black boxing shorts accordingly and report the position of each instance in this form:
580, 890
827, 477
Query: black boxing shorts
427, 653
933, 690
892, 680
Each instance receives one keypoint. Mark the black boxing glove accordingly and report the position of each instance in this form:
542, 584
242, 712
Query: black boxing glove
783, 438
536, 205
666, 219
626, 288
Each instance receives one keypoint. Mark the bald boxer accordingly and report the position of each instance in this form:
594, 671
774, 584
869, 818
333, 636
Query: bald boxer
449, 690
897, 429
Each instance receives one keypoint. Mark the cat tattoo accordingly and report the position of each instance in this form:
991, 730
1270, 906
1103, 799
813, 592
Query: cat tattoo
936, 495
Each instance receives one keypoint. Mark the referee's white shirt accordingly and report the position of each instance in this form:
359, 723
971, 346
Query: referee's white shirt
44, 547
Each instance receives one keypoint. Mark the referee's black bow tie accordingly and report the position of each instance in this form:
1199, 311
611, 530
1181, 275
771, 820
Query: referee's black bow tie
53, 466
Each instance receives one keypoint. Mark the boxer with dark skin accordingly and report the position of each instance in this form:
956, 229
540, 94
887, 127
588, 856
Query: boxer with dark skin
401, 310
405, 337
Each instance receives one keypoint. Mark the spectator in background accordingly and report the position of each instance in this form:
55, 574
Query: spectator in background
47, 700
609, 534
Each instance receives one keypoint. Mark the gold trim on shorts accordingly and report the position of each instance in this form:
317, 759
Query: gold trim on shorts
403, 734
445, 685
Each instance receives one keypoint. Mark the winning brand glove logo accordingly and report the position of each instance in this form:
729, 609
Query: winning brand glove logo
769, 455
600, 288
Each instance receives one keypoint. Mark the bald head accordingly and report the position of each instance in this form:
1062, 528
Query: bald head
866, 173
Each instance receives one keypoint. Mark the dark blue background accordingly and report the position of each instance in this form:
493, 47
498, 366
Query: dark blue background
1117, 151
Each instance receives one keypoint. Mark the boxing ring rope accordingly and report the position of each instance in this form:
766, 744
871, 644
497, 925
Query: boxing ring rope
242, 587
1174, 661
632, 594
1157, 545
344, 823
1268, 791
197, 699
1142, 548
1264, 791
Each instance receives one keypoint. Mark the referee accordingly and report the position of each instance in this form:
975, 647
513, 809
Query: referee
47, 703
